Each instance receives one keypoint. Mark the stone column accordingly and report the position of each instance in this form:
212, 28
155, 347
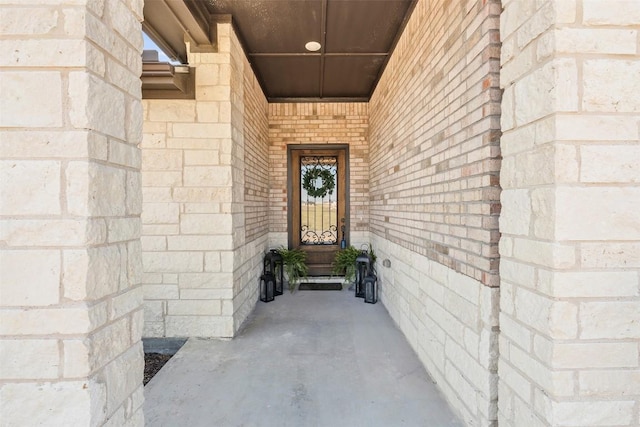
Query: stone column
570, 247
70, 201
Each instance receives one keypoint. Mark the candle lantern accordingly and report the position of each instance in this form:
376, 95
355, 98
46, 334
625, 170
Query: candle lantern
371, 289
267, 283
363, 269
273, 264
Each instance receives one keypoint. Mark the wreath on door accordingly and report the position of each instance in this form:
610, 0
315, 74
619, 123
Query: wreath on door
310, 178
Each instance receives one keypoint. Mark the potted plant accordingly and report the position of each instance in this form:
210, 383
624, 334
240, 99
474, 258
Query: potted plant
294, 264
345, 262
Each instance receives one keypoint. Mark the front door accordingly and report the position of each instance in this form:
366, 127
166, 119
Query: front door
317, 207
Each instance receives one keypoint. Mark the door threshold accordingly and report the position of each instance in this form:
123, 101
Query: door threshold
323, 279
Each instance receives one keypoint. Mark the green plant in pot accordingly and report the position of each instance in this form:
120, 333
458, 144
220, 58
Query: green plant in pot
345, 262
294, 264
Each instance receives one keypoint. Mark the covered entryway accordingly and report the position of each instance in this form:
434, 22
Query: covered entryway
318, 204
307, 359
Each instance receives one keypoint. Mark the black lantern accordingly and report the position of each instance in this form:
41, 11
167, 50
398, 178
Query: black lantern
273, 265
363, 268
267, 284
371, 289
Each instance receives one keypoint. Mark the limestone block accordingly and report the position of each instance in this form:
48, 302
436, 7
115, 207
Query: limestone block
161, 179
134, 193
590, 284
193, 308
613, 12
201, 157
153, 243
596, 128
205, 280
609, 383
610, 320
127, 369
516, 217
610, 163
610, 255
595, 355
590, 40
162, 160
208, 112
207, 176
202, 195
167, 262
29, 359
200, 326
156, 139
22, 90
544, 253
160, 292
199, 243
107, 116
95, 189
76, 358
207, 294
515, 332
213, 262
593, 413
514, 380
557, 383
30, 187
616, 217
30, 278
90, 274
47, 404
553, 318
123, 229
30, 20
536, 24
200, 130
126, 303
124, 22
172, 110
609, 85
161, 213
220, 224
154, 311
124, 154
137, 325
63, 232
160, 230
107, 343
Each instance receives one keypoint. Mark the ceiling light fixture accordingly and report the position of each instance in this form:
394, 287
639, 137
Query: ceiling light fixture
312, 46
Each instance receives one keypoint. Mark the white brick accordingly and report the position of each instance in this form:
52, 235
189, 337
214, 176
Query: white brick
30, 278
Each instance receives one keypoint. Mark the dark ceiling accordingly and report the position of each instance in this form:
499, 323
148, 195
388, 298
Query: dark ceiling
357, 37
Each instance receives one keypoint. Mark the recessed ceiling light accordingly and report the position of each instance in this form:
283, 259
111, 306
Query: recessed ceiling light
312, 46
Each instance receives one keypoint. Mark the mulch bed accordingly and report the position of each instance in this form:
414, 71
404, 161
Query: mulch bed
153, 362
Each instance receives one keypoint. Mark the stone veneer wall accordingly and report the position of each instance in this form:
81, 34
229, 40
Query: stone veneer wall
200, 277
319, 123
70, 200
570, 248
435, 159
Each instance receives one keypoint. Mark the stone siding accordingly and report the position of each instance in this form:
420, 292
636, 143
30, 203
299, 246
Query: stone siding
194, 179
70, 201
319, 123
570, 248
435, 160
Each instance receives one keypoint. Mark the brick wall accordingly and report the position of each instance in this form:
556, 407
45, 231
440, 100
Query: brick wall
200, 252
435, 159
70, 200
319, 123
570, 248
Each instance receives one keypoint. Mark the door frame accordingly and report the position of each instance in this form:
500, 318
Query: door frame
290, 207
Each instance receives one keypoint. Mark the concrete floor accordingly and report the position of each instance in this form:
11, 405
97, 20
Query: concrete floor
313, 358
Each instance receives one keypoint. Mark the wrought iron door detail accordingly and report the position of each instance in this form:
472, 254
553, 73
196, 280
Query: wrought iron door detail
319, 200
